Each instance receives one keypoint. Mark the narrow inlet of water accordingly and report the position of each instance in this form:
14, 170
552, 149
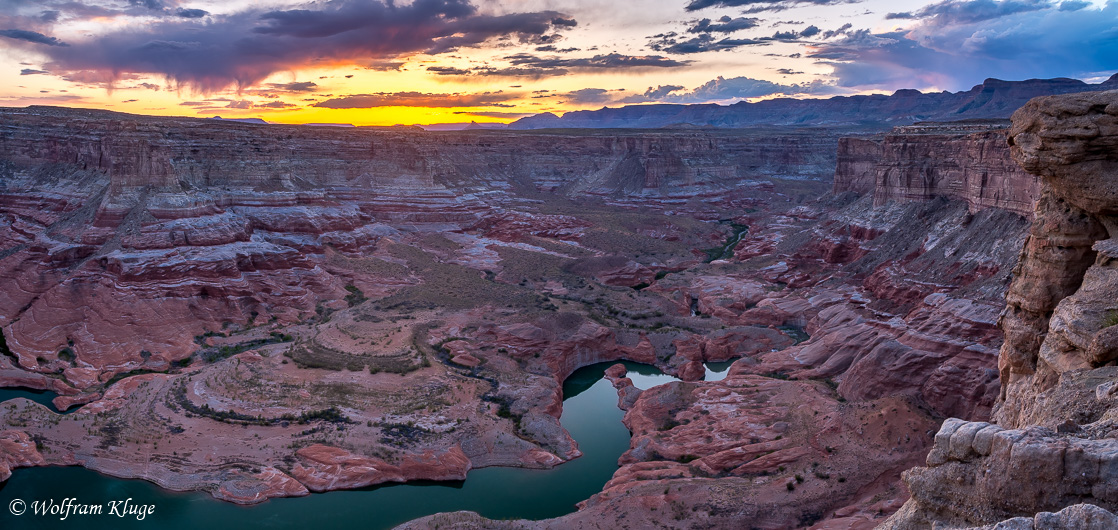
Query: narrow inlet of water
590, 414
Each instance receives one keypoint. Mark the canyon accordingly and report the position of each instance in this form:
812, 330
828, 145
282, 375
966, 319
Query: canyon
262, 311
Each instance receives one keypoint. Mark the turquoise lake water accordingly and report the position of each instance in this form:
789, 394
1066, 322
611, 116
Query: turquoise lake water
590, 414
41, 397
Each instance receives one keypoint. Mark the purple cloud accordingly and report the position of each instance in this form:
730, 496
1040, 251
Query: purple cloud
242, 49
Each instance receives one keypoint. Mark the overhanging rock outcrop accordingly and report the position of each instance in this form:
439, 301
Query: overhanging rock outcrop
1055, 442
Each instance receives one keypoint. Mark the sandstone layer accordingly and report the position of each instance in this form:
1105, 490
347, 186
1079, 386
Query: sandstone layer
1053, 438
180, 227
967, 161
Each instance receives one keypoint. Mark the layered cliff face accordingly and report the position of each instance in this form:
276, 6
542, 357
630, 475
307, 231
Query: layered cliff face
966, 161
1053, 444
177, 155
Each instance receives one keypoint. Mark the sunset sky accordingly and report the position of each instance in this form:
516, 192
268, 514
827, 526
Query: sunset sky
383, 62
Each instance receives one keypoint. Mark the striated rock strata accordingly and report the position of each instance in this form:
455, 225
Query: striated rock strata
124, 238
268, 311
967, 161
1056, 422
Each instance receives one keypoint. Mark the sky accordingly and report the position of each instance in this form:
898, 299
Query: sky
386, 62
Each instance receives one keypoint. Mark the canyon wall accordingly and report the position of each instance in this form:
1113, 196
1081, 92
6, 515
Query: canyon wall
968, 161
182, 154
1053, 442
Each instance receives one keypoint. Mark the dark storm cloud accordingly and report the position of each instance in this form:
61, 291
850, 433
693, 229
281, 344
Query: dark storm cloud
416, 99
810, 31
190, 13
432, 26
552, 49
673, 43
958, 44
31, 36
759, 6
843, 30
702, 43
447, 70
723, 25
516, 71
244, 48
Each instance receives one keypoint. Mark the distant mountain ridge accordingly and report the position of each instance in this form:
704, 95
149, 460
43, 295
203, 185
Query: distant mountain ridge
993, 98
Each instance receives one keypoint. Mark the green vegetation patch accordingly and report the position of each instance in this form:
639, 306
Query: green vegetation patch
449, 286
312, 355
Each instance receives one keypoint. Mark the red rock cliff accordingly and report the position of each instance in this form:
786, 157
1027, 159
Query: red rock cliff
969, 162
1054, 448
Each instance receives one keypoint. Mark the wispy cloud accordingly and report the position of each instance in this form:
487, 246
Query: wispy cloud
31, 36
760, 6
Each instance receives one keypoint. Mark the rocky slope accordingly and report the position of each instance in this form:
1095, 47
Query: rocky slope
993, 98
1052, 443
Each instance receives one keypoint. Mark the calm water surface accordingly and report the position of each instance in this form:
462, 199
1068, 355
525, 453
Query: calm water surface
590, 414
41, 397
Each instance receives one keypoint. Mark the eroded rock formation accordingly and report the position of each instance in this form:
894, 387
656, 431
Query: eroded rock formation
966, 161
126, 237
1053, 440
898, 307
